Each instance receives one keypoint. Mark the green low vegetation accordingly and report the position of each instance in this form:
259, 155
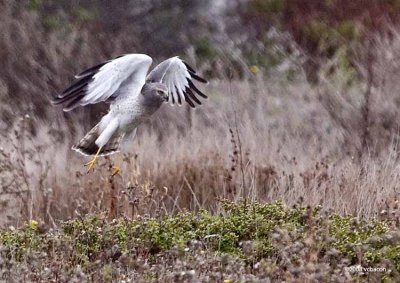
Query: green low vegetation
271, 239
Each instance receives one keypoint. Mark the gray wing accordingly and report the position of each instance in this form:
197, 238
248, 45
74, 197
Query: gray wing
178, 76
101, 82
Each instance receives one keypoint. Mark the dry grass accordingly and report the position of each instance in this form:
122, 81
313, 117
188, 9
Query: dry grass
260, 139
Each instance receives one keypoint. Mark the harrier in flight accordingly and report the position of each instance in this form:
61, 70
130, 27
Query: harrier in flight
133, 95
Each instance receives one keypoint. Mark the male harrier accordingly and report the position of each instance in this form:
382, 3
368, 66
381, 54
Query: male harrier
134, 97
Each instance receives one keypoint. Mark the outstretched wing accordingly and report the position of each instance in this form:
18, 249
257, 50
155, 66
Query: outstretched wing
101, 82
178, 77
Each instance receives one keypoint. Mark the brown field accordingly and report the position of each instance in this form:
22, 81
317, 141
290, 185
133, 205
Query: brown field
325, 146
261, 139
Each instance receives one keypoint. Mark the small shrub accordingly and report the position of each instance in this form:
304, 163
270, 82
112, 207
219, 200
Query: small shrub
269, 237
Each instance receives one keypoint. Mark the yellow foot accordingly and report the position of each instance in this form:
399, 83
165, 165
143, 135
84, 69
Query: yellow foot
116, 170
92, 163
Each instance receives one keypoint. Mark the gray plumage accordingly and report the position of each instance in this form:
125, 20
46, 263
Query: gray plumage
133, 96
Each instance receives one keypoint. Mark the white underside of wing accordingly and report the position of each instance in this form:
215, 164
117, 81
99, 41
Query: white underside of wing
176, 79
110, 77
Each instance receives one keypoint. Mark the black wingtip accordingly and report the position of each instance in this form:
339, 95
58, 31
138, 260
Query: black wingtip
91, 71
76, 86
191, 104
73, 103
192, 73
193, 87
189, 68
192, 96
179, 96
188, 100
58, 100
200, 79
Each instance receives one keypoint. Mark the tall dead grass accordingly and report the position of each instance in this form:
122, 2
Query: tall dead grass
270, 137
257, 139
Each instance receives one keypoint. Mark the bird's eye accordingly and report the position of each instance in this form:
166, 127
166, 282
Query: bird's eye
160, 92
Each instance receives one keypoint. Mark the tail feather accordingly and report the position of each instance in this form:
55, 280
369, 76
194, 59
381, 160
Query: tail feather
87, 145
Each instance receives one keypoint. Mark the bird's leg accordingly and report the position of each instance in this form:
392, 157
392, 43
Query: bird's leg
116, 170
92, 163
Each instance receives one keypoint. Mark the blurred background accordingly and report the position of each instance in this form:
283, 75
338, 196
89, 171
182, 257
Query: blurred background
303, 106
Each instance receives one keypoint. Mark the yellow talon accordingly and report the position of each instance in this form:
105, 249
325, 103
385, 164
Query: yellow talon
92, 163
116, 170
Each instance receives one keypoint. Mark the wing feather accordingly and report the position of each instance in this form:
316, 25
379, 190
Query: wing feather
178, 91
192, 96
91, 71
193, 87
189, 101
73, 102
102, 82
178, 76
75, 87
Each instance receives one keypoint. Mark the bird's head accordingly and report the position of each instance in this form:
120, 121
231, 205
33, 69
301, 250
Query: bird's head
161, 90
